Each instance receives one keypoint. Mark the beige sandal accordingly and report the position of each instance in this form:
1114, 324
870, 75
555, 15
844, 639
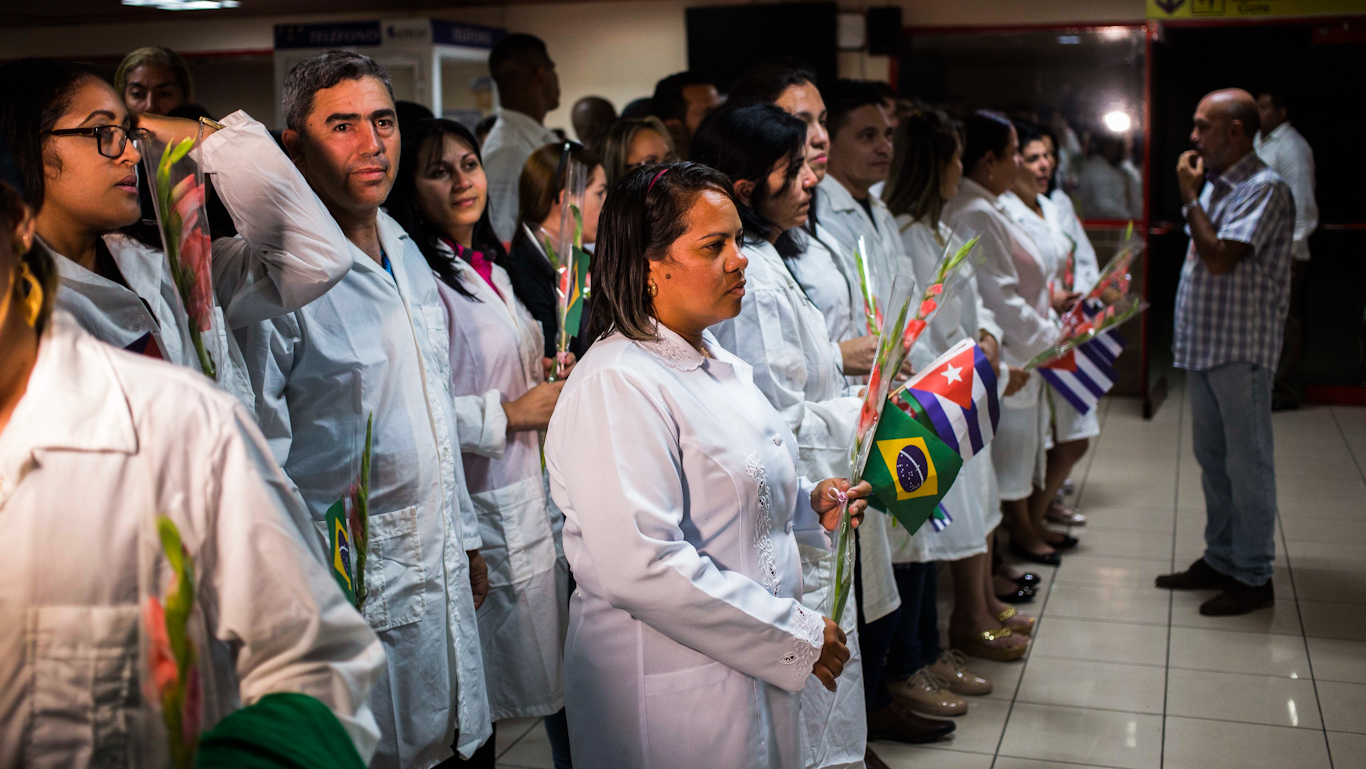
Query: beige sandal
1021, 628
977, 645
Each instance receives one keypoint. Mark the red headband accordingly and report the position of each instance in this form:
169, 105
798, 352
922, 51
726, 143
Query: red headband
662, 171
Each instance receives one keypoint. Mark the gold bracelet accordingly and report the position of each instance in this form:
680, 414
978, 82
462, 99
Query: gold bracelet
211, 123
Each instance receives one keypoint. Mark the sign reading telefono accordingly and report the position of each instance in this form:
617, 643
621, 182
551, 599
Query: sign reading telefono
357, 34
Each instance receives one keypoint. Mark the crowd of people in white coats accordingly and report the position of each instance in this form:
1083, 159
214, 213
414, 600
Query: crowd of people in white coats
631, 543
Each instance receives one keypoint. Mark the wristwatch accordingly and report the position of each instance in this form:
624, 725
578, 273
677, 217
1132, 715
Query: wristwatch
1186, 209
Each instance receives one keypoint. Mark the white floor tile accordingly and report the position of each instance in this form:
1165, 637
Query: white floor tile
1078, 736
1333, 620
1244, 698
978, 730
1081, 567
1101, 641
1344, 706
1159, 521
1116, 604
1349, 750
1104, 685
1338, 660
532, 751
1124, 544
1281, 619
1194, 743
919, 757
1233, 652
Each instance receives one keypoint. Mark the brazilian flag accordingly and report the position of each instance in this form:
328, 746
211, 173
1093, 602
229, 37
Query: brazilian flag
909, 468
339, 550
574, 307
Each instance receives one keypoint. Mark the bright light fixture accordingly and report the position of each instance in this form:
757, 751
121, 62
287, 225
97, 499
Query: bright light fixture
183, 5
1117, 121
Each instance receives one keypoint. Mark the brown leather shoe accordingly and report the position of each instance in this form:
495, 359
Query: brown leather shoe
952, 667
897, 723
871, 761
1238, 598
925, 692
1200, 576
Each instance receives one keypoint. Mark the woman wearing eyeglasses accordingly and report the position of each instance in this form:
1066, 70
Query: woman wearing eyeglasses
69, 132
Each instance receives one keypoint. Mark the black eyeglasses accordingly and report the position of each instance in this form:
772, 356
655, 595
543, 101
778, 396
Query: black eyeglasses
112, 140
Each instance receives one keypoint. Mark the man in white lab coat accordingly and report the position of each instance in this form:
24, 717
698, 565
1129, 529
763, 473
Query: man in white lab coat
528, 89
376, 346
1284, 149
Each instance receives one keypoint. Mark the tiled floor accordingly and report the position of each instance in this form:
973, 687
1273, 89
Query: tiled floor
1124, 675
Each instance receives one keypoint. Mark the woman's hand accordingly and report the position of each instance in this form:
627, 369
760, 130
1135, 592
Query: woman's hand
532, 411
833, 655
859, 355
1063, 300
548, 366
990, 348
825, 500
1018, 379
171, 130
479, 577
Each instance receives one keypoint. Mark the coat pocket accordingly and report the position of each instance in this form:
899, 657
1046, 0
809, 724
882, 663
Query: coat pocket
395, 577
715, 701
84, 662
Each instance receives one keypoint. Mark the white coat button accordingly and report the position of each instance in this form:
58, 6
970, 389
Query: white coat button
777, 441
789, 527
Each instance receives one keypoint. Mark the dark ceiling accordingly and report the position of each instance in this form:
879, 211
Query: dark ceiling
27, 13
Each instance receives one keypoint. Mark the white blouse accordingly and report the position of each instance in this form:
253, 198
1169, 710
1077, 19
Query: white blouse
683, 508
102, 442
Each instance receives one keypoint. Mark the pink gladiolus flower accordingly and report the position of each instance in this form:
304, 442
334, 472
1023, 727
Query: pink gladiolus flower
935, 290
926, 307
913, 330
188, 197
195, 253
162, 662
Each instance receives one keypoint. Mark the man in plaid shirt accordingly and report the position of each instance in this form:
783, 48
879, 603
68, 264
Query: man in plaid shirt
1230, 312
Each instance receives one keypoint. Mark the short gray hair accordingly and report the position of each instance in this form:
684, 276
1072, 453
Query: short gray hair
325, 70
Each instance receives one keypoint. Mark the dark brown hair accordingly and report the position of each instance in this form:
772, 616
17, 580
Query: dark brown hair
38, 260
542, 180
924, 146
643, 215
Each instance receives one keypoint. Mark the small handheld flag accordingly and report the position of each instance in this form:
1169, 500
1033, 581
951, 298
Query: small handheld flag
339, 549
956, 399
1088, 371
911, 470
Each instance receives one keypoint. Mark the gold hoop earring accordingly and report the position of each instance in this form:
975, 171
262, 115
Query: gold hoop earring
652, 290
33, 302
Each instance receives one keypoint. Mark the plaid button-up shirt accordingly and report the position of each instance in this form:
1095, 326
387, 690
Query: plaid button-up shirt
1240, 315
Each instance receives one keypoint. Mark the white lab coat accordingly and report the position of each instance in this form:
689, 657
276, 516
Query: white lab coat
1068, 424
782, 335
972, 500
687, 640
820, 272
495, 354
843, 216
288, 252
1013, 283
101, 443
1085, 266
377, 344
1288, 154
513, 138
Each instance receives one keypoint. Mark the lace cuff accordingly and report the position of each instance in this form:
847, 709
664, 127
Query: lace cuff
808, 638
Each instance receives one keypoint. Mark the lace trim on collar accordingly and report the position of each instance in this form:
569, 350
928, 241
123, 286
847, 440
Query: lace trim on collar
671, 349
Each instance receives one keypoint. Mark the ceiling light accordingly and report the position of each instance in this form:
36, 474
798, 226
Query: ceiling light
183, 5
1117, 121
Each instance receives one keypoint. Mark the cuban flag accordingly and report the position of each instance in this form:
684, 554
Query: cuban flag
1088, 371
956, 398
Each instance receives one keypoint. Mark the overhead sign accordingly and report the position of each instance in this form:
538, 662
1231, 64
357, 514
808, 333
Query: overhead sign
341, 34
1248, 9
468, 35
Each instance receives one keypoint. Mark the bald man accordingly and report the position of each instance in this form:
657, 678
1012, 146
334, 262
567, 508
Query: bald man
592, 116
1230, 312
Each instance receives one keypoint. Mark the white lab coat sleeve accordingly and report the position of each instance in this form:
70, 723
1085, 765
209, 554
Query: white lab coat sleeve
288, 250
1024, 331
806, 522
1086, 268
986, 319
270, 597
482, 423
618, 460
269, 349
765, 335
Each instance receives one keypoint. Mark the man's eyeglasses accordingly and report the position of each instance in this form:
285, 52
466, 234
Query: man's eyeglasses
112, 140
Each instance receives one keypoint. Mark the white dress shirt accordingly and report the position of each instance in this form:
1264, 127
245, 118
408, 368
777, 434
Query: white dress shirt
1108, 192
688, 640
377, 344
846, 220
100, 444
1288, 154
288, 252
495, 354
513, 138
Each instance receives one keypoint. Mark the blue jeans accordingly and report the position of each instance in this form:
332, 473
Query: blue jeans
916, 642
1231, 429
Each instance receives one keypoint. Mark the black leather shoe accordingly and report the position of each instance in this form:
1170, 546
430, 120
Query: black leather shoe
1022, 595
1200, 576
1051, 559
1238, 598
1066, 543
1029, 579
898, 724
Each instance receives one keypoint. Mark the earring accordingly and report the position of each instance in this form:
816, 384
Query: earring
652, 289
33, 302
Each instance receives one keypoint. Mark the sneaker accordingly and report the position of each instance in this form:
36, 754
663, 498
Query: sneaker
1238, 598
927, 693
952, 667
1200, 576
897, 723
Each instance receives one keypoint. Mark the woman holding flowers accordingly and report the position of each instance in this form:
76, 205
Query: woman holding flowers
108, 459
688, 640
1014, 285
502, 402
926, 169
73, 144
